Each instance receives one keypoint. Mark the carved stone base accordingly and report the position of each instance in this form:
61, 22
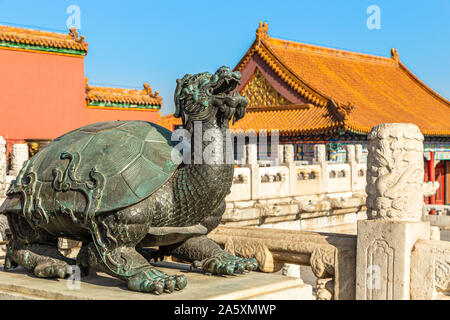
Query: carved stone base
383, 258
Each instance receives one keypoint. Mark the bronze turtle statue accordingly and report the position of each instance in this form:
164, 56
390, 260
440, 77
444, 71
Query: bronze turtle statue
116, 187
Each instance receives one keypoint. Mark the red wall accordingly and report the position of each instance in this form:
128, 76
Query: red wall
42, 96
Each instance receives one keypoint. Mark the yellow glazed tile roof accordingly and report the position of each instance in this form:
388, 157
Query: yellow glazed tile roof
287, 119
169, 121
30, 37
291, 119
117, 96
360, 90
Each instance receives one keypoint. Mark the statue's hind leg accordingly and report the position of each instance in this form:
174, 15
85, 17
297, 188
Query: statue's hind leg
113, 251
34, 250
204, 253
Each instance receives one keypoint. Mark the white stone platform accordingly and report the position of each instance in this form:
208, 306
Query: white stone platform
19, 284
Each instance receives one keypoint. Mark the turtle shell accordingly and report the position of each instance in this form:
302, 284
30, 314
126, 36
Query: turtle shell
114, 164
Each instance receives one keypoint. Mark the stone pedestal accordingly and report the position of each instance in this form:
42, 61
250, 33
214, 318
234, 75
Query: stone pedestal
18, 284
383, 258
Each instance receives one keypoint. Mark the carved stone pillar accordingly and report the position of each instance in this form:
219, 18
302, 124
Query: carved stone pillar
394, 208
19, 156
395, 172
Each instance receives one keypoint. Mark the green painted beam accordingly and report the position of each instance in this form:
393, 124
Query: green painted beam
122, 105
41, 48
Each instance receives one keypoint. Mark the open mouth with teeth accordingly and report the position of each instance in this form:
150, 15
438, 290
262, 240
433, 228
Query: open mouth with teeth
225, 85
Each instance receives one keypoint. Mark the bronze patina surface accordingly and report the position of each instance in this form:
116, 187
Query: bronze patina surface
115, 187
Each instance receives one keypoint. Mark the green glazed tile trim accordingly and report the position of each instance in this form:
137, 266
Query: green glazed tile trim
41, 48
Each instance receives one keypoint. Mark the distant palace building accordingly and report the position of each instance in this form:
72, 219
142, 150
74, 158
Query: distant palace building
313, 94
44, 92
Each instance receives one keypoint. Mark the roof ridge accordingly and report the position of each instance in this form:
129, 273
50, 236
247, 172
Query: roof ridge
147, 90
276, 55
423, 85
309, 96
274, 108
317, 49
8, 28
33, 39
263, 35
145, 96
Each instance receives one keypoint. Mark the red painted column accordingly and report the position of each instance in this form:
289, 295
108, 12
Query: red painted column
432, 177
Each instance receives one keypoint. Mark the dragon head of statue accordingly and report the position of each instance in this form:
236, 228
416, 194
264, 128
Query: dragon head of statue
207, 97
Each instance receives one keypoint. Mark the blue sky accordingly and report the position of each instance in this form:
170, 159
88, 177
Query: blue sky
132, 42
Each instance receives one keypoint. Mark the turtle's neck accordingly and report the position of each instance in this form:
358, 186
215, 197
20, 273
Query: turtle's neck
200, 188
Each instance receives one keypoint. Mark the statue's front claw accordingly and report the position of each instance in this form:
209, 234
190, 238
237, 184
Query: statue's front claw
154, 281
53, 269
225, 263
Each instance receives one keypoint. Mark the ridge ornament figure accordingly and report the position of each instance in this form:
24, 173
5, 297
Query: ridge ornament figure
114, 186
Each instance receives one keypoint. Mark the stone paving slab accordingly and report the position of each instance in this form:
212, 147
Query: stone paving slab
19, 284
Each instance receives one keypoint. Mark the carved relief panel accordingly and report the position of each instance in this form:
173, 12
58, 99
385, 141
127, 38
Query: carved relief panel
380, 271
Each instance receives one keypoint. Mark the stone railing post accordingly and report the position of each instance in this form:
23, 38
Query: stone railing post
280, 158
350, 150
19, 156
288, 153
394, 207
351, 160
243, 160
252, 161
320, 158
289, 161
358, 153
252, 154
2, 166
